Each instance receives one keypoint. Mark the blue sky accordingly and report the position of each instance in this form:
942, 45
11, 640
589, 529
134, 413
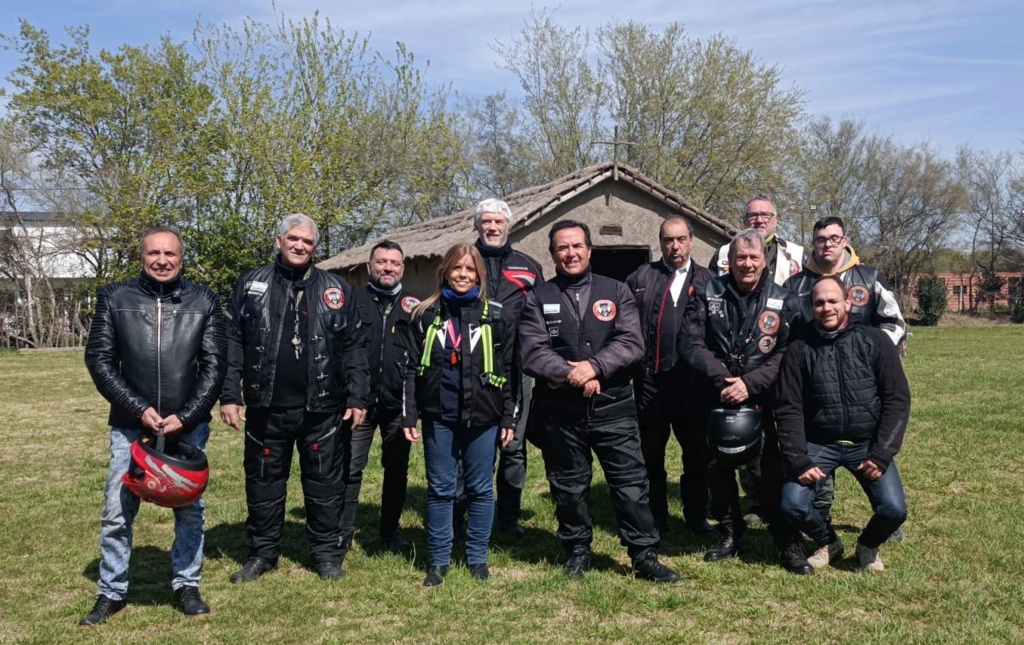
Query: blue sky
944, 71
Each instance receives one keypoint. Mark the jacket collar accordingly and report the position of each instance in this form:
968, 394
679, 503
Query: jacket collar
491, 252
151, 286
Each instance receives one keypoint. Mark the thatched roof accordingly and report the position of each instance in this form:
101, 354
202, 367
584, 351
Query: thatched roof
434, 237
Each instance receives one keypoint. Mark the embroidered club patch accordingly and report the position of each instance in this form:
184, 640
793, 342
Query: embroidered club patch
257, 287
859, 295
334, 298
768, 322
604, 310
715, 307
766, 344
409, 303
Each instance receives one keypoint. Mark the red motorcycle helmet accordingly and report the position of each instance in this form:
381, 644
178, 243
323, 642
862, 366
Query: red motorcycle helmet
172, 478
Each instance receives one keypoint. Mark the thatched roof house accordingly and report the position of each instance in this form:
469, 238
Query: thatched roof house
622, 207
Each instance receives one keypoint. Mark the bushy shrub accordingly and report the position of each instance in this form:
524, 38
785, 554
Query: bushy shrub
931, 299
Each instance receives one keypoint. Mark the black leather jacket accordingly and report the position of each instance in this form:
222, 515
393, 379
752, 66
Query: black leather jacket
336, 374
158, 345
728, 334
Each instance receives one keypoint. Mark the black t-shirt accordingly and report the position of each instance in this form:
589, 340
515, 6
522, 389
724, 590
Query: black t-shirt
290, 374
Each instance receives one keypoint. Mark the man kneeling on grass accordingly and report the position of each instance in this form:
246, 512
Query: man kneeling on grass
843, 400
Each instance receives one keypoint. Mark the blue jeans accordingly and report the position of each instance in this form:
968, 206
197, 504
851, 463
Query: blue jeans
122, 506
443, 449
885, 494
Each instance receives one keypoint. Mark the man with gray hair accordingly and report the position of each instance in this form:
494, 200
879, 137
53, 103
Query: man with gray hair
782, 260
511, 275
734, 335
298, 364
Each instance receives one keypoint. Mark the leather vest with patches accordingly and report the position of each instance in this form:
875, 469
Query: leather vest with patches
743, 332
578, 340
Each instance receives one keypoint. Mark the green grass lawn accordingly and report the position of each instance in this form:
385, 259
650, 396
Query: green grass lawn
957, 577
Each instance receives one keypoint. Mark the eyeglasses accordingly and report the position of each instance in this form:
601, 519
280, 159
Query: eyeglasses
759, 217
834, 240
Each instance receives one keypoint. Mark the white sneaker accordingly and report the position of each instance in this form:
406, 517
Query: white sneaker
868, 559
825, 555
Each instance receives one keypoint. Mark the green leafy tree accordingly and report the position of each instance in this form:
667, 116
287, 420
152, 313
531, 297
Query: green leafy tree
703, 117
129, 128
707, 118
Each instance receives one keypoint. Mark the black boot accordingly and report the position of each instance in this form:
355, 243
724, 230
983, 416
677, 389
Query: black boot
579, 561
252, 569
728, 545
394, 541
699, 525
794, 560
435, 576
329, 570
104, 609
647, 567
190, 602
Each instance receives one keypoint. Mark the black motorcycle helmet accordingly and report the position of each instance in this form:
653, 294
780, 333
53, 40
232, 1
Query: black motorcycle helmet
734, 435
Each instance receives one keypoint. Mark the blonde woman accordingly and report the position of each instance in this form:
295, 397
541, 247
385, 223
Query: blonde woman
460, 353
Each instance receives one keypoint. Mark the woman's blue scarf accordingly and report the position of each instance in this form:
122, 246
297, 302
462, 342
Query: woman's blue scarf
453, 298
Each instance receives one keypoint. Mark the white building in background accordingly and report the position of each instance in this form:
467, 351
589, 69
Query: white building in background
43, 243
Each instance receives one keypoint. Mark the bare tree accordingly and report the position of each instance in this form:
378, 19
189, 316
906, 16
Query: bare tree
565, 96
41, 302
828, 176
910, 205
992, 181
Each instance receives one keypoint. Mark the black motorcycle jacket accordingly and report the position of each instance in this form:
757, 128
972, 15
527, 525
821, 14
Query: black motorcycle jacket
337, 376
158, 345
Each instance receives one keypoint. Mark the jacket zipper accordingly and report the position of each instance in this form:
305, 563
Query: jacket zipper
159, 354
383, 341
842, 393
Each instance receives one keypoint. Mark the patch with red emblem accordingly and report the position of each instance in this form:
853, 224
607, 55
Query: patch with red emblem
334, 298
409, 303
859, 295
768, 322
604, 310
